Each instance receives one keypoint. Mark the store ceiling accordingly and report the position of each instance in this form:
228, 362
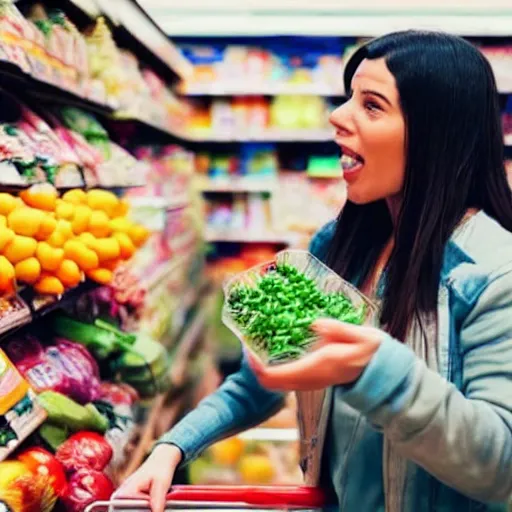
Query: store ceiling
365, 18
337, 6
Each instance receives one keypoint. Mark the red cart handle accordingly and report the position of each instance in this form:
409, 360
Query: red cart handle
271, 496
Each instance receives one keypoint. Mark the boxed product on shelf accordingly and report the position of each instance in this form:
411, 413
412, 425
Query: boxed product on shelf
276, 62
255, 116
104, 162
20, 412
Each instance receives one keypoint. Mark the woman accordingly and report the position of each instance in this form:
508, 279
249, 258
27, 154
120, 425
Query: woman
420, 411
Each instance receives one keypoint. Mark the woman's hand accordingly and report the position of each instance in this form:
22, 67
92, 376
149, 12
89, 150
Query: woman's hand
154, 478
340, 356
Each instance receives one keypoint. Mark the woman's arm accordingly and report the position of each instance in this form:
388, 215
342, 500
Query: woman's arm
239, 403
462, 438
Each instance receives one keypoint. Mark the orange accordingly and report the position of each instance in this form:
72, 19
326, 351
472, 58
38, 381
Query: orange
64, 227
20, 248
99, 224
41, 196
7, 203
28, 271
78, 252
75, 196
139, 235
49, 257
6, 237
122, 208
103, 200
69, 274
100, 275
106, 248
80, 221
256, 470
64, 210
47, 227
125, 244
121, 224
25, 221
7, 275
49, 285
57, 239
228, 451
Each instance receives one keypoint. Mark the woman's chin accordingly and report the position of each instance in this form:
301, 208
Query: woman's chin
357, 196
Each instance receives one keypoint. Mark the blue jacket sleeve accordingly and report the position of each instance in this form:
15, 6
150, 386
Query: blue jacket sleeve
462, 437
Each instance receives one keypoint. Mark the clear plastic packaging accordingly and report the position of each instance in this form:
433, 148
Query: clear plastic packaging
327, 282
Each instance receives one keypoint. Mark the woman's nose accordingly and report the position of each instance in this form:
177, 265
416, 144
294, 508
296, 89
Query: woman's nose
340, 118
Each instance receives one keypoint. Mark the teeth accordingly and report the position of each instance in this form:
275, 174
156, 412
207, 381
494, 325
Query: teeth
348, 163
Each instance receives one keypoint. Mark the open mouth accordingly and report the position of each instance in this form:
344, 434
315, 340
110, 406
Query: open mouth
351, 162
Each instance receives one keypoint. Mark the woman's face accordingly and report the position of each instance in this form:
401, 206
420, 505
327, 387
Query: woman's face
370, 130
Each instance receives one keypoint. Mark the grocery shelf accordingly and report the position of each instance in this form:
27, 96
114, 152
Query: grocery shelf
13, 78
270, 135
258, 89
233, 184
245, 236
30, 306
136, 29
161, 272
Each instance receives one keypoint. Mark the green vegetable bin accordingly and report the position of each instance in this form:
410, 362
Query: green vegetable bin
271, 306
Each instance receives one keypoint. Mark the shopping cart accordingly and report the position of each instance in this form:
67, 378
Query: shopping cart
225, 498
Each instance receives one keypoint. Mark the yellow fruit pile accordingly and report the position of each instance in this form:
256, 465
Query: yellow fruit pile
51, 242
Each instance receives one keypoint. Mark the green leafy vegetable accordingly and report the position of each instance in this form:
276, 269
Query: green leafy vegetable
276, 315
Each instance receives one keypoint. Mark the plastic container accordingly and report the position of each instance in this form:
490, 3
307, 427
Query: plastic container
326, 280
225, 498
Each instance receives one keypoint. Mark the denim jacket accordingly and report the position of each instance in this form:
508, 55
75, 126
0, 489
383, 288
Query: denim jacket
453, 426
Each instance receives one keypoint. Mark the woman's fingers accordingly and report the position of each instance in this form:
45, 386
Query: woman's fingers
334, 331
158, 494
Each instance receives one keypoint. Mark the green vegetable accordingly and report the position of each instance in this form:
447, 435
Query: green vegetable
102, 339
64, 412
275, 315
53, 435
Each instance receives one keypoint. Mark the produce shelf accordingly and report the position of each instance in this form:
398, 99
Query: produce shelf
27, 306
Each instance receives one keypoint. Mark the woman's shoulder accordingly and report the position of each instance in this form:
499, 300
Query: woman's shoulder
485, 242
321, 240
479, 253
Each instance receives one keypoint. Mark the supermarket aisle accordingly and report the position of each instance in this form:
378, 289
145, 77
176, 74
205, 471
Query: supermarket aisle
139, 174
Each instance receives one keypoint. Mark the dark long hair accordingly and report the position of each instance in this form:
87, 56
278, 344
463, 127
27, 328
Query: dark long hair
454, 161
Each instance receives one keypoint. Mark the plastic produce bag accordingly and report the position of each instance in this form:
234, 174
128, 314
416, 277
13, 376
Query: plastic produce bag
271, 306
64, 367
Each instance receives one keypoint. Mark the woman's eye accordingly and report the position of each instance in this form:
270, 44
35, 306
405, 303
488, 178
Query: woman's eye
372, 106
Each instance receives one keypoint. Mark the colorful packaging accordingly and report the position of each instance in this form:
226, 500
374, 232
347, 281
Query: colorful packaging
65, 367
20, 413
